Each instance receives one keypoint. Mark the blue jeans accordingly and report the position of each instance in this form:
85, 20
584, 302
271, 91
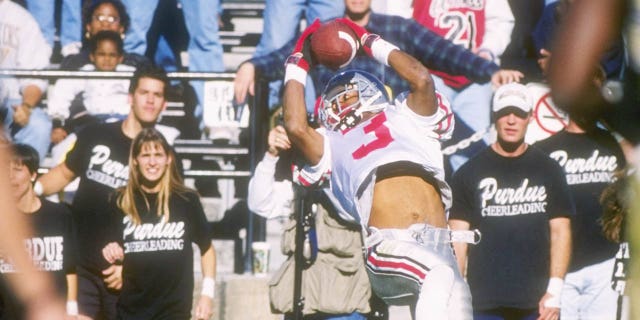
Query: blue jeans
71, 20
37, 132
281, 24
205, 49
472, 109
587, 293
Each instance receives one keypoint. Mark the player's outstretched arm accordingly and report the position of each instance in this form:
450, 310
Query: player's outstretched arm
305, 138
422, 98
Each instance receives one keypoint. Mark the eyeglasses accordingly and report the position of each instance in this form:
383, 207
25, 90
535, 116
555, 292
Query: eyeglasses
105, 18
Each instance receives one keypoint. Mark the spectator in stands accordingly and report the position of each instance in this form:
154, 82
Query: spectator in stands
157, 276
484, 27
205, 49
518, 198
429, 48
100, 158
520, 53
339, 248
101, 98
70, 24
102, 15
22, 46
589, 158
281, 24
589, 27
52, 244
35, 290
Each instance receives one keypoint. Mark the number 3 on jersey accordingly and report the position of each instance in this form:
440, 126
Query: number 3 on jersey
382, 136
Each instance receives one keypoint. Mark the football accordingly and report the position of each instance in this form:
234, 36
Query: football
334, 45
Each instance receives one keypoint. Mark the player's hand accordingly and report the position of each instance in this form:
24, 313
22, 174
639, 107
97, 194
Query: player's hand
366, 39
113, 252
244, 82
204, 308
301, 55
21, 114
113, 277
372, 44
549, 307
504, 76
278, 140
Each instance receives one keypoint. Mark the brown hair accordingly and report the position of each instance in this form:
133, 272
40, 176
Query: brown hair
615, 200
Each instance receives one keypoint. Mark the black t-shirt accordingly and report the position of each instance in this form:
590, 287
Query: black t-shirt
100, 158
589, 161
52, 247
158, 265
510, 200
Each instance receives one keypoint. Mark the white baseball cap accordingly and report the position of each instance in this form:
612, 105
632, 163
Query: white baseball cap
512, 95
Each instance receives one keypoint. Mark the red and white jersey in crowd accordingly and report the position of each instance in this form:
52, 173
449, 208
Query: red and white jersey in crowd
473, 24
395, 134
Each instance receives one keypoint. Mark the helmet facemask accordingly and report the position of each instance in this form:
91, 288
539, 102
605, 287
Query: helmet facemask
347, 97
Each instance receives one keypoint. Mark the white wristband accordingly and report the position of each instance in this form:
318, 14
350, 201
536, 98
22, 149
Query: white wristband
555, 286
37, 188
294, 72
208, 287
381, 50
72, 308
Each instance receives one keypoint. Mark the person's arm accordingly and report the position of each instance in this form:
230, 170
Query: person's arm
33, 53
499, 22
263, 197
55, 180
460, 248
560, 236
204, 308
422, 97
31, 95
306, 139
72, 294
268, 66
244, 82
114, 254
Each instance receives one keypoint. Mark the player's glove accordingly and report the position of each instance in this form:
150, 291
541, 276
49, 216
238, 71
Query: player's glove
372, 44
299, 62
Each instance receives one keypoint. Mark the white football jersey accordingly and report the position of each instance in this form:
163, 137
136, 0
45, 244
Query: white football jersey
395, 134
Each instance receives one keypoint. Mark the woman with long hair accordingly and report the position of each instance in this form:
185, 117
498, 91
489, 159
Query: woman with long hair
156, 219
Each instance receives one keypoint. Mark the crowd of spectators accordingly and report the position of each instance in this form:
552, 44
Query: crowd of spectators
474, 50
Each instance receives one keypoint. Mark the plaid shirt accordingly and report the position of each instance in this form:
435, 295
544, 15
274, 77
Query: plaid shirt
431, 49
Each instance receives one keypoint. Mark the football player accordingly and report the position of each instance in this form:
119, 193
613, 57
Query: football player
386, 173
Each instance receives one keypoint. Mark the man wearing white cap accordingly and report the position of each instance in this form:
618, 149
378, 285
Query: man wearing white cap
520, 202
